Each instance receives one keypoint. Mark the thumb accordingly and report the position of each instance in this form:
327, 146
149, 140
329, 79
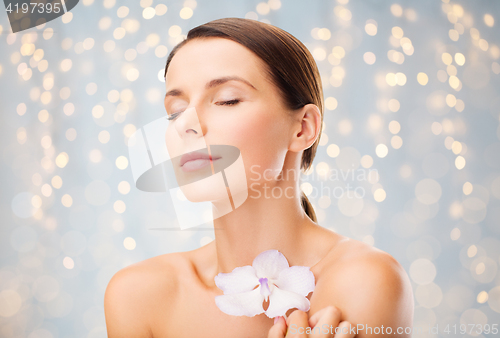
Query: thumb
278, 330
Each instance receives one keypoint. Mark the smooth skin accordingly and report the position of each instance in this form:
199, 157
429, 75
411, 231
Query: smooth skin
172, 295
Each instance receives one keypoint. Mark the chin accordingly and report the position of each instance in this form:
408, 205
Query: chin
202, 191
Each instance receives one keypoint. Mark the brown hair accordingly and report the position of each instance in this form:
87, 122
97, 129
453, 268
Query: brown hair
290, 66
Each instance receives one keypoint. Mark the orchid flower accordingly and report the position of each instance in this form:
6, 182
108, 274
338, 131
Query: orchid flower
269, 277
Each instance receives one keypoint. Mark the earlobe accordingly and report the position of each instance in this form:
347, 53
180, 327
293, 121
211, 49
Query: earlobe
309, 127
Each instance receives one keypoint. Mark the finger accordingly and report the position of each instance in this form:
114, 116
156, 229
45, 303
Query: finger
278, 330
344, 330
329, 315
313, 320
297, 323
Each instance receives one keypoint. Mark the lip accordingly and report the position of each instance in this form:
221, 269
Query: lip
196, 160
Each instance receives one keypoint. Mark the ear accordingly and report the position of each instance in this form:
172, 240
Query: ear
307, 127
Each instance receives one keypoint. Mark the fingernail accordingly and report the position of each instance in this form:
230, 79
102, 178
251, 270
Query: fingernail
276, 319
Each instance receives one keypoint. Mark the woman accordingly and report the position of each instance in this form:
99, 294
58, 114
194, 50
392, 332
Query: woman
255, 87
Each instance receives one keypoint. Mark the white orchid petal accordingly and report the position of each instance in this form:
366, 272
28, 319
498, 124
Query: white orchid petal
241, 304
280, 301
269, 264
298, 279
241, 279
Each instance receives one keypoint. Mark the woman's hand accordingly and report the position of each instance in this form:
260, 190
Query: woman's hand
322, 324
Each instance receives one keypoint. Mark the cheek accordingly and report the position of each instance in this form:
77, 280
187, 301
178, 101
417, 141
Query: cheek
261, 138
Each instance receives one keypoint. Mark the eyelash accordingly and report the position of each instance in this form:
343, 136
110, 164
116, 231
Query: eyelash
223, 103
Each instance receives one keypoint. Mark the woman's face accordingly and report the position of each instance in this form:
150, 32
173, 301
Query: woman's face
225, 98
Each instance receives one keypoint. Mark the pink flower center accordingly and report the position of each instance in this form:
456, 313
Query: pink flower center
264, 288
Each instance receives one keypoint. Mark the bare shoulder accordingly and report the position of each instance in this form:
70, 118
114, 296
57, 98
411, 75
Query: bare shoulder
368, 285
361, 265
138, 293
357, 255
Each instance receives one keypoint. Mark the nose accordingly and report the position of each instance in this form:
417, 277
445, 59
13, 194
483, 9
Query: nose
188, 124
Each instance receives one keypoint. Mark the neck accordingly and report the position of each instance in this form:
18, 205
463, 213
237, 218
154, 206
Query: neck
261, 224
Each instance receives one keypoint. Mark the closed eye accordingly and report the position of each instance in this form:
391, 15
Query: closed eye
228, 103
173, 116
222, 103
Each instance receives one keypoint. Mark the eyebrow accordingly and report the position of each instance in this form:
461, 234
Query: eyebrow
213, 83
